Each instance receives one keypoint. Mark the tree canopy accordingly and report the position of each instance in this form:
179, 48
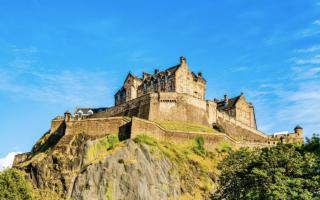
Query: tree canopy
284, 171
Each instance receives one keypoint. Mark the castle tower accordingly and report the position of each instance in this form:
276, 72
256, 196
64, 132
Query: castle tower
298, 130
183, 60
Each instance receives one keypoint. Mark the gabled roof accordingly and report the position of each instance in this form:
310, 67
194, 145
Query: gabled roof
131, 75
86, 110
170, 70
221, 105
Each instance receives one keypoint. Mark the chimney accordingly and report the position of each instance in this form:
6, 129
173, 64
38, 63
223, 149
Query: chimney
200, 75
226, 99
156, 71
183, 60
144, 75
298, 130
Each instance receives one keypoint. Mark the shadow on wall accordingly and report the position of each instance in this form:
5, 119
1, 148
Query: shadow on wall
49, 140
125, 131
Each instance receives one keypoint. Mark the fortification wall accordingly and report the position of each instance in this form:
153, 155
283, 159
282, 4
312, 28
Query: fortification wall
138, 107
239, 130
178, 107
165, 106
56, 124
96, 127
212, 141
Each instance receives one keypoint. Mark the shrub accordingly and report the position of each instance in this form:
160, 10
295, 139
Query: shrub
14, 186
100, 147
198, 147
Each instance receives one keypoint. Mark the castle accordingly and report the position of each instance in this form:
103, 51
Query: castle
176, 95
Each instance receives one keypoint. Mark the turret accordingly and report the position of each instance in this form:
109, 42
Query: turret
226, 99
298, 130
67, 116
183, 60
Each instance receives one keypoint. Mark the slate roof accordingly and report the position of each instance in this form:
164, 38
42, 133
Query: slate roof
170, 70
86, 110
221, 105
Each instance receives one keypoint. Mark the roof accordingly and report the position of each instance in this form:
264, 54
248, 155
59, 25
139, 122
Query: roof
86, 110
170, 70
221, 105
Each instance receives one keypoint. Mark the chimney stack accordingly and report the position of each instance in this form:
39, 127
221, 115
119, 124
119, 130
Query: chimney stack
183, 60
226, 99
200, 75
298, 130
156, 71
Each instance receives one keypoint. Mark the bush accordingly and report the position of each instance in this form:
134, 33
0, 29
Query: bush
13, 185
100, 148
198, 147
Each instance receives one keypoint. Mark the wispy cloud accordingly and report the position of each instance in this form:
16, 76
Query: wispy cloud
309, 49
317, 22
27, 50
240, 68
24, 78
6, 162
312, 60
302, 73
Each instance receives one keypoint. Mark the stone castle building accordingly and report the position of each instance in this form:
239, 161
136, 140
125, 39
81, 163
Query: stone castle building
174, 94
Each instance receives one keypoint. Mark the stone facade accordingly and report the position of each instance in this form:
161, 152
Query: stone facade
176, 79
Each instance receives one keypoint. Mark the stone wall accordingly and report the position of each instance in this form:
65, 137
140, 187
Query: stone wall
96, 127
165, 106
178, 107
239, 130
212, 141
138, 107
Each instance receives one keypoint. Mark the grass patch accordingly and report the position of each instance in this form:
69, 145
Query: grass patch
194, 165
224, 147
198, 147
99, 148
109, 193
185, 126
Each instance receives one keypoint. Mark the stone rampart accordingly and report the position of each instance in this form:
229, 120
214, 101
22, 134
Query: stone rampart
165, 106
178, 106
240, 131
138, 107
212, 140
96, 127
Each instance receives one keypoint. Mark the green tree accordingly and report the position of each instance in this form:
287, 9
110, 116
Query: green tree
280, 172
14, 186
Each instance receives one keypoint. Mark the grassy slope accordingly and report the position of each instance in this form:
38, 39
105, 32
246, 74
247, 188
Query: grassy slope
185, 126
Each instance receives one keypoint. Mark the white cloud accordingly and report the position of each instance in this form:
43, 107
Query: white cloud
308, 50
301, 73
23, 78
27, 50
240, 69
317, 22
82, 88
7, 161
313, 60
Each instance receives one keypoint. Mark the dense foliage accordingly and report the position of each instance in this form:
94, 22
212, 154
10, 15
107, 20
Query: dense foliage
281, 172
13, 185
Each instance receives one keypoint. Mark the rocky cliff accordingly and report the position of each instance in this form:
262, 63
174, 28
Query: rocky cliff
82, 167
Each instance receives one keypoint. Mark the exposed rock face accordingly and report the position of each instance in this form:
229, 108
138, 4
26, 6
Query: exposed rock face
80, 167
130, 173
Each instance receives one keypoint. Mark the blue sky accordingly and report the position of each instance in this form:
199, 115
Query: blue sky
57, 55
